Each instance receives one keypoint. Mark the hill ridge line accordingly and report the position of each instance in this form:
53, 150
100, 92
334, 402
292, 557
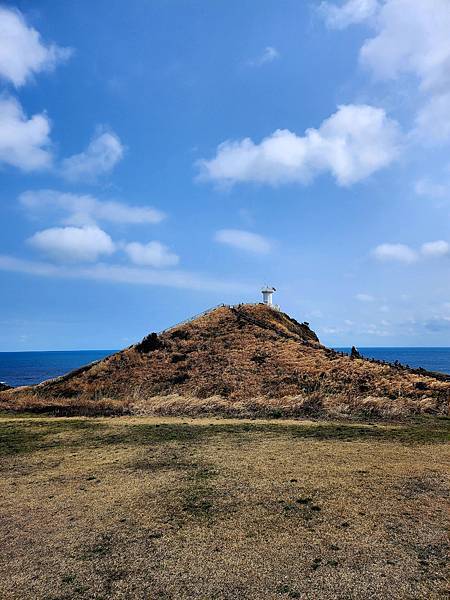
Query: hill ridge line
193, 318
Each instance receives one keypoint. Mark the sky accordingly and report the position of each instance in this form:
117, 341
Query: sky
161, 157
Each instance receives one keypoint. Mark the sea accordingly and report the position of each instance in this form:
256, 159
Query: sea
27, 368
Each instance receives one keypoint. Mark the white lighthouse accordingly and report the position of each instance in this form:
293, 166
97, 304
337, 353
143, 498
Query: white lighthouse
267, 292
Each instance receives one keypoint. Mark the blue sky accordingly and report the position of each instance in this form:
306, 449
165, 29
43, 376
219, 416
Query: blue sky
160, 157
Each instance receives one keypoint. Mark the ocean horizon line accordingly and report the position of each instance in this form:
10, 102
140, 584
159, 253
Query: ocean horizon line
119, 349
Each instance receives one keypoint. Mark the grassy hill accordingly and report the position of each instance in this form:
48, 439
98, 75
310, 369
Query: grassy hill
247, 360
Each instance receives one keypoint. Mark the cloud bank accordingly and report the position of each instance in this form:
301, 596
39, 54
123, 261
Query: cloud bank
84, 209
411, 38
356, 141
126, 275
405, 254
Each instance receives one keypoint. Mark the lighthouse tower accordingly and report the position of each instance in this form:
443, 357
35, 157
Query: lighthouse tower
267, 292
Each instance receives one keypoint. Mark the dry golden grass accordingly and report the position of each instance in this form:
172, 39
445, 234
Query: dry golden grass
171, 508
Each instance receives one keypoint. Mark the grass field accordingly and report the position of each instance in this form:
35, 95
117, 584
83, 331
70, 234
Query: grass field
161, 508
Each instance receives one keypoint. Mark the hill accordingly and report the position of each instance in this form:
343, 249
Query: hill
242, 360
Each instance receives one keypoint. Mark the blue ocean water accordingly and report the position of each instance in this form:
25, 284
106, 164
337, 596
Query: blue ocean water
432, 359
25, 368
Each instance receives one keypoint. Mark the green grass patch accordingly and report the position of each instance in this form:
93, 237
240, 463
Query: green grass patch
24, 436
18, 436
197, 496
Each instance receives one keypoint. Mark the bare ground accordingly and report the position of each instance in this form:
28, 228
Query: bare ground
178, 508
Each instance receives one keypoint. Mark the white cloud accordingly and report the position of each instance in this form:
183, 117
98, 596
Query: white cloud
395, 252
406, 254
268, 55
349, 13
412, 37
243, 240
353, 143
24, 143
73, 244
86, 209
126, 275
435, 249
22, 53
432, 120
100, 157
365, 298
424, 187
153, 254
